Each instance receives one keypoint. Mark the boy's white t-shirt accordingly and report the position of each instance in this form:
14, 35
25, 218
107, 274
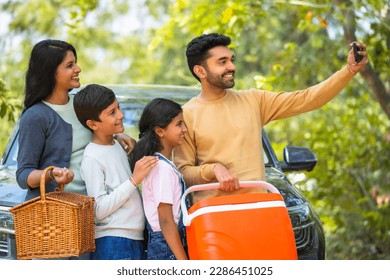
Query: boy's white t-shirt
118, 204
162, 185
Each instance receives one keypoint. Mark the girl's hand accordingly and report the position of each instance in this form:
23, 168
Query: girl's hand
170, 231
143, 166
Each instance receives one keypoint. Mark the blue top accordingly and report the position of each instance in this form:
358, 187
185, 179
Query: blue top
45, 139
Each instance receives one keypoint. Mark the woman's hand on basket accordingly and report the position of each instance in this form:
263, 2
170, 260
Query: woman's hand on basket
62, 175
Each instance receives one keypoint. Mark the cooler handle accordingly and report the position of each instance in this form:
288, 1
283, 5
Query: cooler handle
212, 186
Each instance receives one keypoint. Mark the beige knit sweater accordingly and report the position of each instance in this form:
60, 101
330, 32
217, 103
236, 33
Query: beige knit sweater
228, 130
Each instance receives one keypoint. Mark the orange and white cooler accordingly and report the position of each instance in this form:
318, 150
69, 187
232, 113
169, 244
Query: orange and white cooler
253, 226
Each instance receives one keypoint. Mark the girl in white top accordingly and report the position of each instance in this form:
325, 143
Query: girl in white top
161, 129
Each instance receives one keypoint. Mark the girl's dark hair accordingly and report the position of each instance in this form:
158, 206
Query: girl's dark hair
197, 49
157, 113
90, 102
40, 77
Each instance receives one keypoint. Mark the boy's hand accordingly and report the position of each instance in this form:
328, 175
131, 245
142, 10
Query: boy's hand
143, 166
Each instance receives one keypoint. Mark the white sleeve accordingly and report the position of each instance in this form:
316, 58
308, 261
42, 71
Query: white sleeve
106, 202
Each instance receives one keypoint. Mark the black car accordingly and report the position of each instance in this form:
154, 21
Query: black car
308, 231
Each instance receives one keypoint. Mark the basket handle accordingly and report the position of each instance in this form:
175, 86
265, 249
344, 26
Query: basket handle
212, 186
42, 185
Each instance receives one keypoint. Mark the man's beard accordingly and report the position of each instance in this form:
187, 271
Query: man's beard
219, 81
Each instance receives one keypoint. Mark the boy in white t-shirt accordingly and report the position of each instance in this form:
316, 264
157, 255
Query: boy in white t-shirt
119, 215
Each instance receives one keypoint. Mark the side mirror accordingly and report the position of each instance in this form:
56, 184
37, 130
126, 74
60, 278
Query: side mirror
298, 159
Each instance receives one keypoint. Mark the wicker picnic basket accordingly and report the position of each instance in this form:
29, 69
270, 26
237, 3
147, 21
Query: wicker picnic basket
55, 225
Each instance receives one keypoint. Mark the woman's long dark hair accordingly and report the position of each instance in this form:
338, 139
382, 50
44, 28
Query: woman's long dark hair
157, 113
40, 77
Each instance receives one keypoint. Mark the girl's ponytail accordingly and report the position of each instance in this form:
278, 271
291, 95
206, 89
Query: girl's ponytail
147, 145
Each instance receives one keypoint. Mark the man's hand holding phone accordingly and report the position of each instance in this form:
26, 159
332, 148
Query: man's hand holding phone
357, 57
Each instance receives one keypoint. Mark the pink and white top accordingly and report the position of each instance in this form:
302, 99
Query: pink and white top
162, 185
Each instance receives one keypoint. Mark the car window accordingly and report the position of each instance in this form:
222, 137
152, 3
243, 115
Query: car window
131, 113
13, 156
11, 153
266, 159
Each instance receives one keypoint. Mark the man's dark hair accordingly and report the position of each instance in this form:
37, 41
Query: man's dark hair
197, 49
89, 102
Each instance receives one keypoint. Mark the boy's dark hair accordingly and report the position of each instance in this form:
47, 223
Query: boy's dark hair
197, 49
45, 57
89, 102
157, 113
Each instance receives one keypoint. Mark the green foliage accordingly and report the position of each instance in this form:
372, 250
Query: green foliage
9, 106
9, 111
280, 46
352, 146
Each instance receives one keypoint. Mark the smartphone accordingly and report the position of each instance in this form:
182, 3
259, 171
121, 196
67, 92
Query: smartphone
358, 57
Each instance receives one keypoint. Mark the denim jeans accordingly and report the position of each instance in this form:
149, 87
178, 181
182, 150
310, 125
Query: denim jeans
158, 248
118, 248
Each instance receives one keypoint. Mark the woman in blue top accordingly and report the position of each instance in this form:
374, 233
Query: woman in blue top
49, 131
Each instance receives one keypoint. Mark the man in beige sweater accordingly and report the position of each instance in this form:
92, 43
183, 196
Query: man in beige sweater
224, 142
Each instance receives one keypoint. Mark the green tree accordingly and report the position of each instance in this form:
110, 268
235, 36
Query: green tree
74, 21
280, 45
280, 39
9, 108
